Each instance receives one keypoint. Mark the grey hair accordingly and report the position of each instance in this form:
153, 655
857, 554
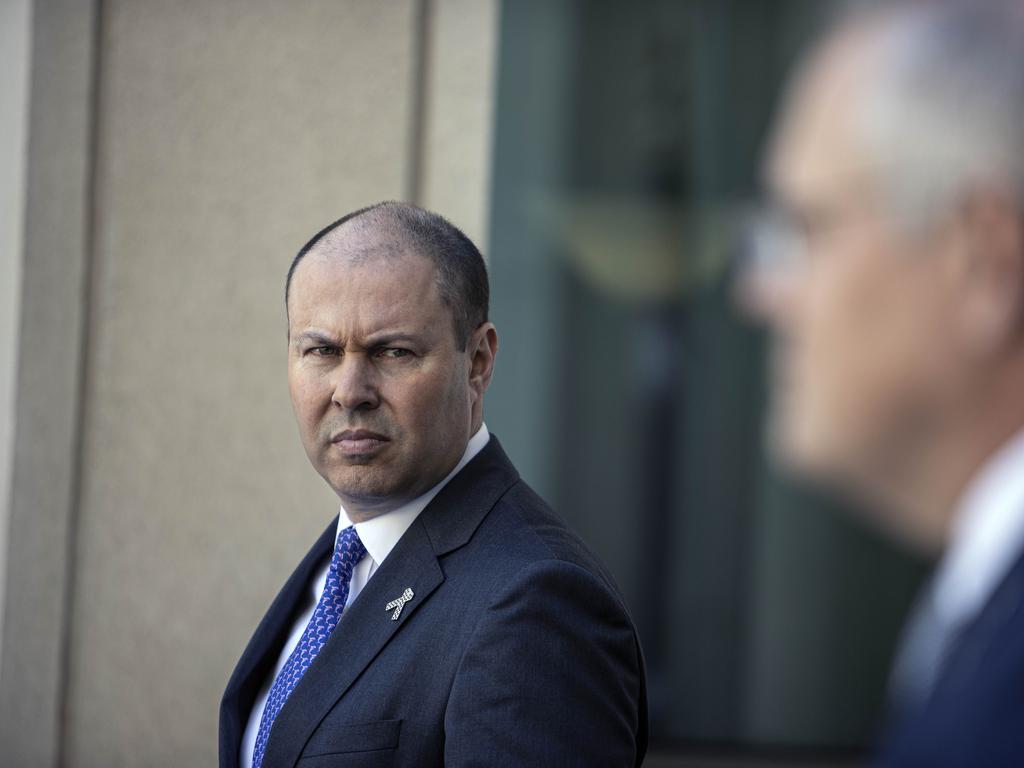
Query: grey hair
942, 107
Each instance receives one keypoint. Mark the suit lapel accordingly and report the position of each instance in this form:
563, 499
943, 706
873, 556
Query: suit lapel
366, 627
257, 661
453, 517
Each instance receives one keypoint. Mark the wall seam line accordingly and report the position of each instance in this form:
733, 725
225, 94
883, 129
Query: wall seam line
87, 292
422, 30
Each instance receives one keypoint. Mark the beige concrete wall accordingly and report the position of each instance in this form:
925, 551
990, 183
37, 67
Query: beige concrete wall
163, 494
459, 112
15, 56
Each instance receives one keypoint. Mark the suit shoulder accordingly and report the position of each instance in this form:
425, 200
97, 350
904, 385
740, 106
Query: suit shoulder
523, 534
532, 530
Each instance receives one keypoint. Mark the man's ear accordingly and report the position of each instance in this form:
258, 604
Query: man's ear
992, 294
482, 348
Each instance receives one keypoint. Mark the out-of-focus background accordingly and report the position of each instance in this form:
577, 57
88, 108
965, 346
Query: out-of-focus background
160, 163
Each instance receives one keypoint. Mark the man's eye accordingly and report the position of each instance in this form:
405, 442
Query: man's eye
325, 351
393, 353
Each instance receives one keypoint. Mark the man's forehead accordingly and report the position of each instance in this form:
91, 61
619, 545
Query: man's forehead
393, 307
816, 138
347, 248
403, 276
387, 284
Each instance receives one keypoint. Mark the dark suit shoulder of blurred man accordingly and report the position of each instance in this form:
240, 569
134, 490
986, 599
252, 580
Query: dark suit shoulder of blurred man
892, 274
448, 616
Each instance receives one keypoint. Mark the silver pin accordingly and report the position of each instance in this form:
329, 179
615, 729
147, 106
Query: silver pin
399, 603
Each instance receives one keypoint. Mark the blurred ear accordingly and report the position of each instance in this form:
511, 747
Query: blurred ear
482, 348
992, 272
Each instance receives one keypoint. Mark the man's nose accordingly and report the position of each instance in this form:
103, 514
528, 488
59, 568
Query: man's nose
768, 296
355, 385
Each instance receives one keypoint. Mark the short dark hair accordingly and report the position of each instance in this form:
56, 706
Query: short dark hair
461, 272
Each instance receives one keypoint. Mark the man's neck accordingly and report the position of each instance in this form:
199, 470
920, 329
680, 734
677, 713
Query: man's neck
359, 510
949, 461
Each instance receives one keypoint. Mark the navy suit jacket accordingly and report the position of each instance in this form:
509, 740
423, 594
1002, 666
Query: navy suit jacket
516, 649
975, 714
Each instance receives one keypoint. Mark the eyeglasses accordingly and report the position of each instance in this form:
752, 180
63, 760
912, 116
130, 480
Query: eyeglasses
781, 243
773, 243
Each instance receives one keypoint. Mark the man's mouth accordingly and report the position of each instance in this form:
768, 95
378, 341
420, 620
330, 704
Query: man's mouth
358, 442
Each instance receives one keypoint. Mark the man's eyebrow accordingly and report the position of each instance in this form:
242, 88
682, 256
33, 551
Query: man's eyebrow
382, 339
385, 338
316, 337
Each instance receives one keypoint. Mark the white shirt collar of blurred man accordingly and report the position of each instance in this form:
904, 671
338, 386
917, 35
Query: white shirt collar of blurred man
986, 538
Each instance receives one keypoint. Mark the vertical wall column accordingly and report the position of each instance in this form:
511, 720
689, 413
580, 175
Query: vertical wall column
15, 53
44, 478
458, 98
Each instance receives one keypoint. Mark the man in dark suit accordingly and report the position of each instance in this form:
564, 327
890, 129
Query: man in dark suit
892, 273
447, 617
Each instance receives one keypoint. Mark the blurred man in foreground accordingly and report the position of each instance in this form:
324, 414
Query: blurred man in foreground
892, 273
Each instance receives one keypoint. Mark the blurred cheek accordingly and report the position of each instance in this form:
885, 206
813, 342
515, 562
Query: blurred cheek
841, 366
872, 351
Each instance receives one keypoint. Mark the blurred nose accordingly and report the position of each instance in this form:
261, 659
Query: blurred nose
355, 386
765, 295
770, 267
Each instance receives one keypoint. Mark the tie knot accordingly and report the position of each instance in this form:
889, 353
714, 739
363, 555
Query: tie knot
348, 551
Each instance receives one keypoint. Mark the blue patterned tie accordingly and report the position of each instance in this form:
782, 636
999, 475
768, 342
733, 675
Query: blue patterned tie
348, 551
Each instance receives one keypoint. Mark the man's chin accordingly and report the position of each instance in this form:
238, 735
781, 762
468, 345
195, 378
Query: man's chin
838, 470
366, 494
788, 448
363, 485
804, 455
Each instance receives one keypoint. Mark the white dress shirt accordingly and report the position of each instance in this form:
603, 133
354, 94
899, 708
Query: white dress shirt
986, 538
379, 535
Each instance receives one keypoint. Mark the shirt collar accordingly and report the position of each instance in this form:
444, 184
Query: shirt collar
380, 534
986, 537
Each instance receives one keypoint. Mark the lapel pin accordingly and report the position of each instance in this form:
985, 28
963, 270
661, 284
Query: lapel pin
398, 603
